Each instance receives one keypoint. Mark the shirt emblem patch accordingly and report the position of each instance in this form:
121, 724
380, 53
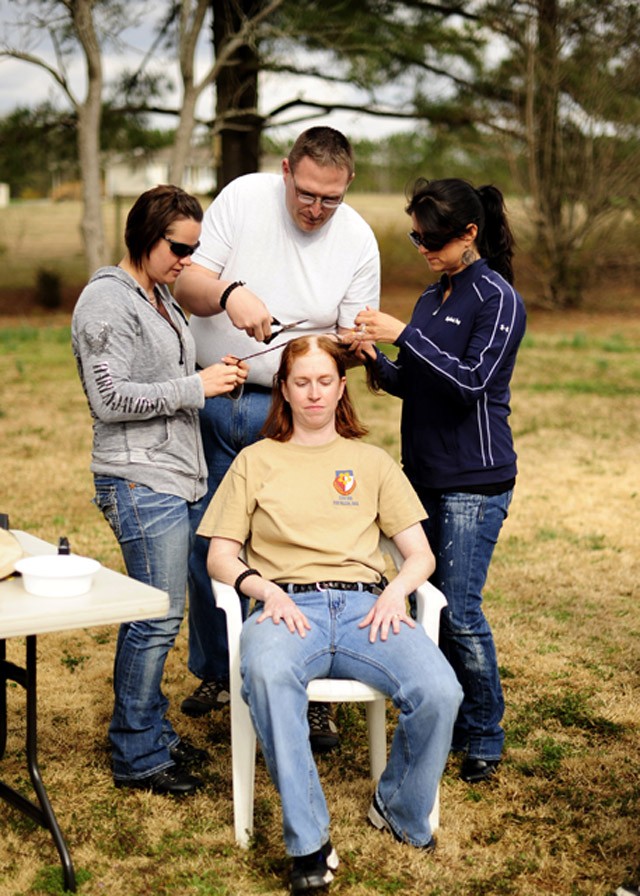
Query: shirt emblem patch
345, 482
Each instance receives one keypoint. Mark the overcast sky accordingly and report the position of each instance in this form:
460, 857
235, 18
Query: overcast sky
23, 84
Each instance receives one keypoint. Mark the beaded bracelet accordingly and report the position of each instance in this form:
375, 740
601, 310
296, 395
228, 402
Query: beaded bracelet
242, 577
225, 295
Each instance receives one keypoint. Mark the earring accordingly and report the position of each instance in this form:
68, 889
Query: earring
468, 256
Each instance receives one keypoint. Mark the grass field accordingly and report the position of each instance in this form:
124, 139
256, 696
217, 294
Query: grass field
44, 236
562, 818
562, 597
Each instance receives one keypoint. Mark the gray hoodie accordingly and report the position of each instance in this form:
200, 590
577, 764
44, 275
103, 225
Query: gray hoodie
138, 373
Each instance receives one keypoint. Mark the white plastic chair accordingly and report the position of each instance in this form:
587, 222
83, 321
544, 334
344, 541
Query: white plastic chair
430, 602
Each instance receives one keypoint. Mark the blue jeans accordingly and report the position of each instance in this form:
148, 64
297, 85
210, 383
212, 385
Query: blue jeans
463, 530
227, 426
155, 533
276, 667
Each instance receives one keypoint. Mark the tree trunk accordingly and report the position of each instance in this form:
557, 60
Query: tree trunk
192, 15
89, 116
92, 225
563, 278
238, 125
184, 132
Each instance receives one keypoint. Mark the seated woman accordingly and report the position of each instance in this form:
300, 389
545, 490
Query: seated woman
310, 501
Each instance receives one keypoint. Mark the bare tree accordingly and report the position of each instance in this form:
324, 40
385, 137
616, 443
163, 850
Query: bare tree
70, 24
568, 95
237, 25
238, 124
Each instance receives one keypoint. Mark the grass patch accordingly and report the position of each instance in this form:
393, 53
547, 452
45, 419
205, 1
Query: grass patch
561, 818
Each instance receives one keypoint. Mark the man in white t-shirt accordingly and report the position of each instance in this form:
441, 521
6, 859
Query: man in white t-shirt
274, 248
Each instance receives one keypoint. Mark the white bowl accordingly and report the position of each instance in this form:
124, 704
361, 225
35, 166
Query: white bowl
57, 575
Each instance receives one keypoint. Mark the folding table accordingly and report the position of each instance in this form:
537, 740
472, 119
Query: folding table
113, 598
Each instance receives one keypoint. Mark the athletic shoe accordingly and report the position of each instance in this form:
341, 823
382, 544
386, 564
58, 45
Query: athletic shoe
315, 871
208, 695
377, 818
323, 731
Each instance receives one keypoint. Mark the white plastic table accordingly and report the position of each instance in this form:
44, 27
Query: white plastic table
113, 598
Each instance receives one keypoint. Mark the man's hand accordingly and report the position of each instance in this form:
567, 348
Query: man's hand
249, 313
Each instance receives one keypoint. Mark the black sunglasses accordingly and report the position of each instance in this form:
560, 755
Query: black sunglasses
181, 250
428, 243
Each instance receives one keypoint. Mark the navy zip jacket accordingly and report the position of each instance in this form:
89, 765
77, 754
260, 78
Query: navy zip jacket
453, 373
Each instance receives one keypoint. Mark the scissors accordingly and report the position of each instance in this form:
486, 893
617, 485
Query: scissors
282, 328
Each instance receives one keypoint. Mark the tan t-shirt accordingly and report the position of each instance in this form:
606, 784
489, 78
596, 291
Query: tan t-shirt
311, 514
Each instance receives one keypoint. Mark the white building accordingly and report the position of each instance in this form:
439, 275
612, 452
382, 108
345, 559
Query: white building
129, 174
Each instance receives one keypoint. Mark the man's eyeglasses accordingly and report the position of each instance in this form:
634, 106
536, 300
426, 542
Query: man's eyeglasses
431, 245
181, 250
310, 199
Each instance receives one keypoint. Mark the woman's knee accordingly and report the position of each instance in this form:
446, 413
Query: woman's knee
266, 663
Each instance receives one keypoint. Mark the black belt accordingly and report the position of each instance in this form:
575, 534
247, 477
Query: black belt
373, 587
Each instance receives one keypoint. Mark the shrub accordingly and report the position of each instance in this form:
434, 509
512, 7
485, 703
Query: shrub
48, 293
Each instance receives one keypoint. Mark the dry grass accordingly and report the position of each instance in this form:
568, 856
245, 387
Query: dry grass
562, 598
38, 236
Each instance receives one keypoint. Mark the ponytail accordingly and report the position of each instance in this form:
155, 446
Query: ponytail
496, 241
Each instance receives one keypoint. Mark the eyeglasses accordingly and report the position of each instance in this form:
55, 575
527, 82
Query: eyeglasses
181, 250
310, 199
419, 240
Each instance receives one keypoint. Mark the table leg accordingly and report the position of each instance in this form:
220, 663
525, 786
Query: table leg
3, 698
43, 813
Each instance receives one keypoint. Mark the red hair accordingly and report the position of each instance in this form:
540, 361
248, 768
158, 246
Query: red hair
279, 422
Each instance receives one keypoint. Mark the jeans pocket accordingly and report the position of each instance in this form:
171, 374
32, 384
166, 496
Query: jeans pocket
106, 501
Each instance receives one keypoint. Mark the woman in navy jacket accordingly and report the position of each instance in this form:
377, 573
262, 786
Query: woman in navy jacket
453, 372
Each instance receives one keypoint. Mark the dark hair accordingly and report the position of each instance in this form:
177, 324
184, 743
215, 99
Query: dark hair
152, 214
445, 208
324, 146
279, 422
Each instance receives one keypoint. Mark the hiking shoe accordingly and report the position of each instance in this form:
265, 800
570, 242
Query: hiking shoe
377, 818
323, 731
187, 755
315, 871
207, 696
475, 771
172, 782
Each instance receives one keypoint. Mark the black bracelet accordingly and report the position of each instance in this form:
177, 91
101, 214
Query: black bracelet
225, 295
242, 577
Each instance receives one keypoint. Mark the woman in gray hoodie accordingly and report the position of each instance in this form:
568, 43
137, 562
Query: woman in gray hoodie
136, 360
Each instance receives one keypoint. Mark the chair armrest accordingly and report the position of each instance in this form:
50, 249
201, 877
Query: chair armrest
429, 604
227, 599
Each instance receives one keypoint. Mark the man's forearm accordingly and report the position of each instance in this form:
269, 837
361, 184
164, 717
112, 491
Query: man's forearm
199, 291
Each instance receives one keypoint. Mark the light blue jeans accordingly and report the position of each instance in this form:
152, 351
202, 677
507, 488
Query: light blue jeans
155, 533
276, 667
227, 427
463, 531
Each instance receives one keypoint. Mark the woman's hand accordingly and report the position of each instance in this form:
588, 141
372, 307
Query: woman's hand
376, 326
279, 606
358, 349
218, 379
388, 612
242, 368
